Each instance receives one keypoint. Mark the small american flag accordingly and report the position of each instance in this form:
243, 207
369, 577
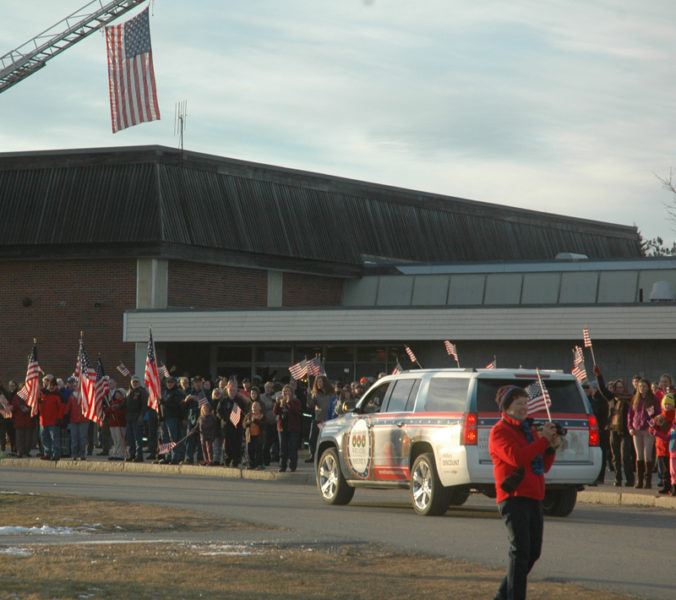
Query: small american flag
314, 367
578, 356
452, 350
235, 415
166, 448
151, 378
23, 393
587, 339
131, 76
579, 372
538, 397
397, 369
410, 354
163, 371
299, 370
122, 369
491, 365
32, 386
201, 401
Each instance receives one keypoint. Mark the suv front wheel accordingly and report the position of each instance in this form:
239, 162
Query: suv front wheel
428, 495
559, 503
330, 481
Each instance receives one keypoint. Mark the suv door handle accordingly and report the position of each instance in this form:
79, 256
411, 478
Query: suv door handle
400, 424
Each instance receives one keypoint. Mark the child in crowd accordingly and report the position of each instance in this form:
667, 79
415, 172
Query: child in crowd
662, 427
253, 423
207, 425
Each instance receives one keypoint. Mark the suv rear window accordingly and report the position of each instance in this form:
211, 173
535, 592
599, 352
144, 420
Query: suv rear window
445, 394
564, 394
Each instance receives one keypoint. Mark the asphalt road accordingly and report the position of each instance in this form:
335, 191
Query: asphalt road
621, 548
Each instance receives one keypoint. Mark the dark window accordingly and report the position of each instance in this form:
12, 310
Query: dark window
565, 395
445, 395
400, 394
373, 401
228, 354
274, 354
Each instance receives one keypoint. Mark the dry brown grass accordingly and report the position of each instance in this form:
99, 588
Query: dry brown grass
189, 571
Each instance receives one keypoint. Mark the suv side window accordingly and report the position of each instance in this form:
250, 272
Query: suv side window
373, 402
445, 395
400, 394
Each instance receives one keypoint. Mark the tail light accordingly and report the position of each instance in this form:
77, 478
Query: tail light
469, 430
593, 431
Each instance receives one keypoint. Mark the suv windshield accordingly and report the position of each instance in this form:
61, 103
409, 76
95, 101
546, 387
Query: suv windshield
564, 394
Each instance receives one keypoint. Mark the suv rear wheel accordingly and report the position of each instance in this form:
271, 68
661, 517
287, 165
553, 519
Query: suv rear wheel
428, 495
330, 481
559, 503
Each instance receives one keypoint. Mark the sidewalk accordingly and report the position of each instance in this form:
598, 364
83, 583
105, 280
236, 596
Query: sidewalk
602, 494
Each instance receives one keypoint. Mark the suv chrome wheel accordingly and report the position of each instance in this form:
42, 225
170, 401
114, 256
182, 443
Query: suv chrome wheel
330, 481
428, 495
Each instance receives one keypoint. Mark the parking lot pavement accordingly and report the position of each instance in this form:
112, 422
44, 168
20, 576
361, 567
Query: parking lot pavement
604, 493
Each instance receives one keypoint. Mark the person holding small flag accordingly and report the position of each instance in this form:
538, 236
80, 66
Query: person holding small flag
192, 405
231, 409
521, 456
171, 402
288, 410
24, 423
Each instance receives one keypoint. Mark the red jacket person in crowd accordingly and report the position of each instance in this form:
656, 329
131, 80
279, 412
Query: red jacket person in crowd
521, 456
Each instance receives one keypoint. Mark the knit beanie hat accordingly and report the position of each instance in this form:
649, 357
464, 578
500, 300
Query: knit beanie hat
669, 399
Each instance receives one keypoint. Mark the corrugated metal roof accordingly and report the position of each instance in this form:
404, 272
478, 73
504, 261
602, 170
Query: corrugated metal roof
165, 201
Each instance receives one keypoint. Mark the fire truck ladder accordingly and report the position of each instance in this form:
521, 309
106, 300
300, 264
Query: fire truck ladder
32, 56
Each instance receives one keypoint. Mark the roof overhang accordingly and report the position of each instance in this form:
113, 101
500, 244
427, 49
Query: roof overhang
609, 322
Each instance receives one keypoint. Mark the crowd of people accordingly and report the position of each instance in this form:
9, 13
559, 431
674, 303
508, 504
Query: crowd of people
637, 430
226, 422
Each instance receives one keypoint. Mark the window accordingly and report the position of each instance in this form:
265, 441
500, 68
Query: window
400, 394
373, 401
446, 395
565, 395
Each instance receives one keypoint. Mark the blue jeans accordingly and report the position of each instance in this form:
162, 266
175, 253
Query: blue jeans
134, 439
51, 441
78, 439
523, 518
288, 449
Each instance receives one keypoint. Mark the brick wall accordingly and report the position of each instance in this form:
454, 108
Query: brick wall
62, 295
311, 290
213, 286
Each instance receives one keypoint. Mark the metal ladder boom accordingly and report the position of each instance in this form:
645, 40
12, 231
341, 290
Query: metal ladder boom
31, 56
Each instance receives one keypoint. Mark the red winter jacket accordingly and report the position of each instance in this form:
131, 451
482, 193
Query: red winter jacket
51, 407
74, 409
510, 449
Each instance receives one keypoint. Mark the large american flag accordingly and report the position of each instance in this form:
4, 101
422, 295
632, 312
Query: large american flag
538, 397
151, 379
131, 76
32, 386
86, 376
102, 386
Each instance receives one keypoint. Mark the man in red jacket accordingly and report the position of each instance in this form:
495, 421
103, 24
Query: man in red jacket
520, 457
52, 406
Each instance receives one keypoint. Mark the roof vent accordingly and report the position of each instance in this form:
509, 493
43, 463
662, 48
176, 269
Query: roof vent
661, 292
571, 256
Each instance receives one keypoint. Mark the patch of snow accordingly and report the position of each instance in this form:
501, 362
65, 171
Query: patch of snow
16, 551
44, 530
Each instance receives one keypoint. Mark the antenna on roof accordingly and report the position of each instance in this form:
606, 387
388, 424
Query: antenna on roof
181, 115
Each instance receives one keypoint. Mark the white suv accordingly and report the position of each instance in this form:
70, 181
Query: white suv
428, 430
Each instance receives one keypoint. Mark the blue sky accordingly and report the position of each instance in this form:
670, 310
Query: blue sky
565, 106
